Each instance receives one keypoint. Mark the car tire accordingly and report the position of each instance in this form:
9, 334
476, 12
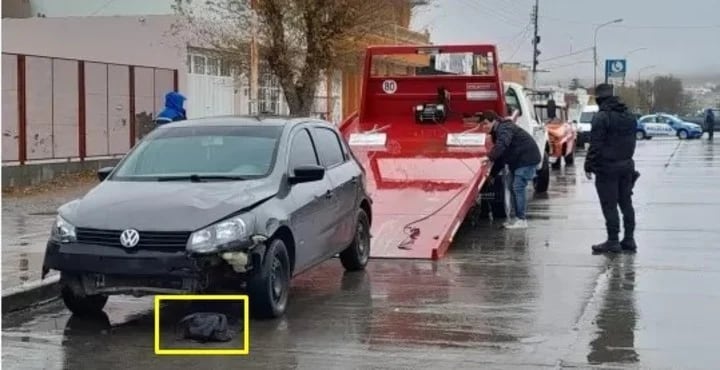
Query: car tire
83, 306
640, 135
355, 257
682, 134
541, 182
269, 287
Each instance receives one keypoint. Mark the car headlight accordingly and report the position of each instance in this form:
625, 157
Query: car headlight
226, 233
63, 231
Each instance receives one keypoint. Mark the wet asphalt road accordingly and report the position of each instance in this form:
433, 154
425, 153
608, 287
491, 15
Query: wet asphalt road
502, 299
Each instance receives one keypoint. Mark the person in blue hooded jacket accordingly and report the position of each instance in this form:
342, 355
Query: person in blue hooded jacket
174, 110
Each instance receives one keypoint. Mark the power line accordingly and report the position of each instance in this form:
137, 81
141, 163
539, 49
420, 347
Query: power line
102, 7
493, 12
523, 38
565, 55
631, 27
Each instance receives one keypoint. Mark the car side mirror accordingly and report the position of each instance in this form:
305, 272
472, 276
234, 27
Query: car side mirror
103, 173
307, 174
574, 121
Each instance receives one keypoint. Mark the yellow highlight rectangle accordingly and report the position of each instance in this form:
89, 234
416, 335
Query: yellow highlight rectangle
245, 350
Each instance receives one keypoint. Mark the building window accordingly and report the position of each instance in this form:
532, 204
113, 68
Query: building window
213, 66
199, 64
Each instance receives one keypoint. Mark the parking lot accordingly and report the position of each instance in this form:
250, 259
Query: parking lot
502, 299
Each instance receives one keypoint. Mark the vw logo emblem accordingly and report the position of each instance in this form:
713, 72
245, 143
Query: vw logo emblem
129, 238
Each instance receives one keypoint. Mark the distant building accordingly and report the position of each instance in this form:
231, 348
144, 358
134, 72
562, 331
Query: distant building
515, 72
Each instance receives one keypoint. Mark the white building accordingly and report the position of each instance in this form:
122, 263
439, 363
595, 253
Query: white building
138, 32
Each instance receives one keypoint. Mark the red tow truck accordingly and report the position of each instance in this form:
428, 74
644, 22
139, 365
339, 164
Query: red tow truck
426, 162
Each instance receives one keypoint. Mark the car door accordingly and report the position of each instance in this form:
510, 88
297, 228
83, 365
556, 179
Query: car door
310, 221
343, 175
666, 124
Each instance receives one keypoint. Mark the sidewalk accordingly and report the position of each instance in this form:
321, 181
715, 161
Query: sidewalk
26, 222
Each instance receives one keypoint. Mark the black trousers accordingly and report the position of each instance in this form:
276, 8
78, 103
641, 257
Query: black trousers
615, 189
711, 130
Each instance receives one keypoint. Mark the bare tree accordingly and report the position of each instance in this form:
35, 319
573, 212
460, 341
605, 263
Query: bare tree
668, 94
299, 39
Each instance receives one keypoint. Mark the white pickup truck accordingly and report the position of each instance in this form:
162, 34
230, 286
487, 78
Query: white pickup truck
517, 99
498, 193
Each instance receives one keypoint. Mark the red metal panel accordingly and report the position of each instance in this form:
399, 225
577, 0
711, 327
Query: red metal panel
82, 152
118, 109
39, 108
133, 121
10, 147
64, 108
22, 112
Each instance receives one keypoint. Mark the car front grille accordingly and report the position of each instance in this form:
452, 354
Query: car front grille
149, 240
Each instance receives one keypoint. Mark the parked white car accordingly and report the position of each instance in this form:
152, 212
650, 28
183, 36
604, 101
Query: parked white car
517, 99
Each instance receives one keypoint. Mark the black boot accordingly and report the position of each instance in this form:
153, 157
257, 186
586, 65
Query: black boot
628, 244
609, 246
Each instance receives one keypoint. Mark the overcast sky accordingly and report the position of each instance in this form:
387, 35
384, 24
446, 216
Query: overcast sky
681, 37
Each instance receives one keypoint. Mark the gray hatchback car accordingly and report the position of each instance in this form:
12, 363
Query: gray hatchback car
238, 203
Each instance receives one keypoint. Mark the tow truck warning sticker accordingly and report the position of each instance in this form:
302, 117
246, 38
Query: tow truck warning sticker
475, 91
466, 139
389, 86
374, 139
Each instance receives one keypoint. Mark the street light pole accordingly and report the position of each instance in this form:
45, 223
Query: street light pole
649, 100
595, 47
626, 57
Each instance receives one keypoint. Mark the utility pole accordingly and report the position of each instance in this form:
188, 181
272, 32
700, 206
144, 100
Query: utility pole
536, 41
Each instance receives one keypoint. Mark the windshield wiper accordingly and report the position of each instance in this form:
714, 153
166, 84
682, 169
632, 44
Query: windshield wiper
201, 178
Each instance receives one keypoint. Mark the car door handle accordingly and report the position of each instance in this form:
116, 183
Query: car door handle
329, 194
354, 180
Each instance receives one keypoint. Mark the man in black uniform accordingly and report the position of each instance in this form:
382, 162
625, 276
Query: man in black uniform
610, 158
514, 147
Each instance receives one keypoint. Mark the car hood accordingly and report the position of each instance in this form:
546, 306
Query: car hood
163, 206
694, 126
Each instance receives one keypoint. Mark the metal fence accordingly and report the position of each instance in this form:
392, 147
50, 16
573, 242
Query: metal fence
56, 109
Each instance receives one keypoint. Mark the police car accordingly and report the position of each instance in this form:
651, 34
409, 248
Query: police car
662, 124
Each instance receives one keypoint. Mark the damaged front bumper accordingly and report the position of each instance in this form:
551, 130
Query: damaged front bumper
96, 269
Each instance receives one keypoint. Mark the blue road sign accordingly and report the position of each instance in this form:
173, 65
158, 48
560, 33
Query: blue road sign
615, 68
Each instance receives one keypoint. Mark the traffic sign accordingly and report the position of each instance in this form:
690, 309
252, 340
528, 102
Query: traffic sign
615, 68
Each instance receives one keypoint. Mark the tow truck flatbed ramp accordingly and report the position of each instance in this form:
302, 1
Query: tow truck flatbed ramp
424, 163
420, 194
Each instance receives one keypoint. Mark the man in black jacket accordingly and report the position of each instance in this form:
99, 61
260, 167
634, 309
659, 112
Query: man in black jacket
515, 148
610, 158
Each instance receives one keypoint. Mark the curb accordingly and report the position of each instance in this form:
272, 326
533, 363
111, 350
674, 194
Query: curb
31, 294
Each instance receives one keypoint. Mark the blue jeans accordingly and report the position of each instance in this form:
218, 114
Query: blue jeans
521, 177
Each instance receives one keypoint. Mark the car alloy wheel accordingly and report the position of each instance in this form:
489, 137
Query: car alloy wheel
363, 242
356, 255
269, 286
278, 282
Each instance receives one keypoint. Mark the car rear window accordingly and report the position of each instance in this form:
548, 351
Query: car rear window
244, 151
328, 145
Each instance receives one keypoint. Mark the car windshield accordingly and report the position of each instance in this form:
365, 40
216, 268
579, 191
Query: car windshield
587, 117
203, 152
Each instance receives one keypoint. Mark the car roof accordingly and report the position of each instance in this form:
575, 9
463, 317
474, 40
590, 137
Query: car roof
248, 120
